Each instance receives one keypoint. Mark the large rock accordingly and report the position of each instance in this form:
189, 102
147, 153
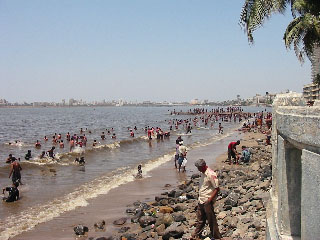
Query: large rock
179, 217
175, 230
120, 221
146, 221
232, 199
80, 230
165, 219
166, 209
160, 229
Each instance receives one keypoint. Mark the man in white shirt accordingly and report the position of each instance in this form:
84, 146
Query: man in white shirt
208, 192
182, 156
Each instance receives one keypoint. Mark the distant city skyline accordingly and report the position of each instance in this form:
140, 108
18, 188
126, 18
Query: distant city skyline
140, 51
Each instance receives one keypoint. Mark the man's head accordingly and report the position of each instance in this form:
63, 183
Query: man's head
238, 142
10, 155
201, 165
244, 147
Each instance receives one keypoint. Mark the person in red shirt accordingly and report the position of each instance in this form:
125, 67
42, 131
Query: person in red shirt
232, 151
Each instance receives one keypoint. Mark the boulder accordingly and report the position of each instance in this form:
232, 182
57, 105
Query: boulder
166, 209
173, 231
80, 230
123, 229
165, 219
232, 199
120, 221
160, 229
178, 217
146, 221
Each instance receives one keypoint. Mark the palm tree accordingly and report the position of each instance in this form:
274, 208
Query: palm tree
303, 33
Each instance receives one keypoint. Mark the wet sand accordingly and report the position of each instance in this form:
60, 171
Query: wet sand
112, 206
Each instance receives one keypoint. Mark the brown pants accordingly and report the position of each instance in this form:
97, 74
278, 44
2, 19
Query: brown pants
206, 212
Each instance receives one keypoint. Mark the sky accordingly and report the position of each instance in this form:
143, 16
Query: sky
138, 50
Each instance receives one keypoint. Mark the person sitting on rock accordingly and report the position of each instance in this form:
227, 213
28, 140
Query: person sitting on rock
208, 192
245, 155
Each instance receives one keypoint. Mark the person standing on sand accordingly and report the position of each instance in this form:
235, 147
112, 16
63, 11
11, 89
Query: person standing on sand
182, 155
208, 192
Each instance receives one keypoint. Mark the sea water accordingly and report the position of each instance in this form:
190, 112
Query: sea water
52, 187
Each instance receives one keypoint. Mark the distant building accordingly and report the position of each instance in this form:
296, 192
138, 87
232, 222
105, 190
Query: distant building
194, 101
3, 102
311, 92
72, 102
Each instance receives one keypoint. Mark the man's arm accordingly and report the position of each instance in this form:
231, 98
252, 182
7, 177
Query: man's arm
213, 195
11, 171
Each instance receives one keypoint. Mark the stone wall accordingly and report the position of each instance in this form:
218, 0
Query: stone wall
293, 211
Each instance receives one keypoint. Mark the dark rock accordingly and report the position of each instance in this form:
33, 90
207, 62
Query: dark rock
165, 219
173, 231
164, 202
135, 219
167, 185
130, 211
105, 238
172, 193
178, 193
227, 207
80, 230
232, 199
146, 221
179, 217
120, 221
160, 229
100, 225
159, 198
189, 189
178, 208
137, 203
124, 229
191, 196
266, 172
224, 193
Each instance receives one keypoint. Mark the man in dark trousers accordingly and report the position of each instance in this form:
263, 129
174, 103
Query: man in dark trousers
208, 192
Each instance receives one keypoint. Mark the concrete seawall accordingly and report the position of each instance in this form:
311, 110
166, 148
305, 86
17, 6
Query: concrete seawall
293, 211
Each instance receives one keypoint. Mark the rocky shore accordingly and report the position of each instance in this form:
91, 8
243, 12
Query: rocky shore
240, 206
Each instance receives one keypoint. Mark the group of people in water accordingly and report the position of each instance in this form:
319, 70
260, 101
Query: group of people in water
202, 119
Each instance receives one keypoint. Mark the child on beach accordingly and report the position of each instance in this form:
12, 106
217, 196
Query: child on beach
139, 174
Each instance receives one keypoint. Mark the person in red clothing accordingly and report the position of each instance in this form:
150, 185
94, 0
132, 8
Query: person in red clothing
232, 151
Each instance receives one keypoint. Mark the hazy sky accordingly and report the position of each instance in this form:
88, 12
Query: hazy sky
172, 50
